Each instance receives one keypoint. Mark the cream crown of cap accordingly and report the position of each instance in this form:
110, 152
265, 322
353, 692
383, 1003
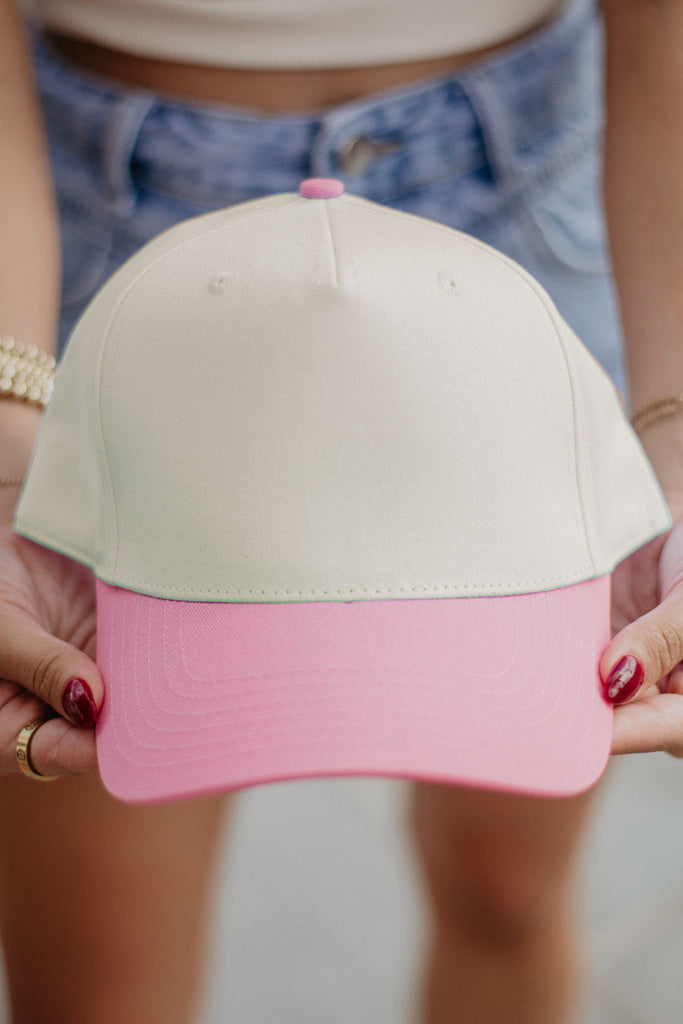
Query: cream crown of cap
325, 399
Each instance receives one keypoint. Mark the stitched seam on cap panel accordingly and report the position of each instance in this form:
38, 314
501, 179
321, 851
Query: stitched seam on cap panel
552, 312
43, 538
131, 284
599, 543
105, 470
561, 579
326, 215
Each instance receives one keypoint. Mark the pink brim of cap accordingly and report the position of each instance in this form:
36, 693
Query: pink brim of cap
495, 692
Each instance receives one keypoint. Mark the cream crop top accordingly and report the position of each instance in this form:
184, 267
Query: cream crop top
292, 33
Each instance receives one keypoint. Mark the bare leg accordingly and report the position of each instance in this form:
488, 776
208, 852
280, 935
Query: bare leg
103, 905
499, 874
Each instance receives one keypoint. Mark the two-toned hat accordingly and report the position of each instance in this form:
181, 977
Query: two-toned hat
352, 491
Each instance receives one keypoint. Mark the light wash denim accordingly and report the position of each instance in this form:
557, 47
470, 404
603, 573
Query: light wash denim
508, 150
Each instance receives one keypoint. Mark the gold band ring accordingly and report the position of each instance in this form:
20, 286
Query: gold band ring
23, 751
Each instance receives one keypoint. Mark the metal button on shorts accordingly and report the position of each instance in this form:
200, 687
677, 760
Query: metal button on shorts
358, 153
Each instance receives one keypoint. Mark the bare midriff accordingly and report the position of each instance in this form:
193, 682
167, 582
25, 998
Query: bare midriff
262, 90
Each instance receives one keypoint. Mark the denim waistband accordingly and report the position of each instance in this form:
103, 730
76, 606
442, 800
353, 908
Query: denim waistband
483, 118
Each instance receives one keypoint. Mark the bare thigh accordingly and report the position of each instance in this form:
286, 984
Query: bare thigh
495, 864
103, 906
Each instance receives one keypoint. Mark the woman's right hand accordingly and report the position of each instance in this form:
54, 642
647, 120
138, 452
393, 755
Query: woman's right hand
47, 602
47, 657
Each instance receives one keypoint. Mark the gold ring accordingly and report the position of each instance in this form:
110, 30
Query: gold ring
23, 751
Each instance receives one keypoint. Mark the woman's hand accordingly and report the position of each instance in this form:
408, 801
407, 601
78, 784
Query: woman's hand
647, 625
47, 652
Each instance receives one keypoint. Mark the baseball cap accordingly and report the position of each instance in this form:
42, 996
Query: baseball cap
352, 491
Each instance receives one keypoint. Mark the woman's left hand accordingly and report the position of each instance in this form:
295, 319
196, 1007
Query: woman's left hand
647, 630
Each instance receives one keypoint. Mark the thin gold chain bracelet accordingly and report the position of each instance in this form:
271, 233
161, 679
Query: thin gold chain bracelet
657, 411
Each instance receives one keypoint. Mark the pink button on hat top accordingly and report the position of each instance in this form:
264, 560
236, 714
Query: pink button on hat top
321, 188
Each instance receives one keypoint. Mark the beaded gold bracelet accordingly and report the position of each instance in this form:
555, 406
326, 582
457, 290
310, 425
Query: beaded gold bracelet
657, 411
26, 372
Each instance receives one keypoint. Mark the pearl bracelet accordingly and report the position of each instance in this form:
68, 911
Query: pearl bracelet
26, 372
657, 411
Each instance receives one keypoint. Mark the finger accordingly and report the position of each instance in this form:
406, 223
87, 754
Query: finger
654, 723
670, 565
58, 673
645, 651
674, 681
57, 748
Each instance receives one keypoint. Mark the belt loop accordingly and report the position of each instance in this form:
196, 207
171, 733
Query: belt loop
119, 146
495, 126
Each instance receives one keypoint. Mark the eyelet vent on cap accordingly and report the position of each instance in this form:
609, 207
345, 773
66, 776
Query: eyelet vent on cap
448, 283
219, 283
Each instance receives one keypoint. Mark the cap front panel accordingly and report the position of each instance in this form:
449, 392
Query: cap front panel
338, 402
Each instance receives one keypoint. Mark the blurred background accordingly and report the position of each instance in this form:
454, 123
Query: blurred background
319, 916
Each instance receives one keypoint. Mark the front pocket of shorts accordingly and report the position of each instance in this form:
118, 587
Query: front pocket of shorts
565, 215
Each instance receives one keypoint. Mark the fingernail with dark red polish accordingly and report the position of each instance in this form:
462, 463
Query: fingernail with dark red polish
624, 680
79, 704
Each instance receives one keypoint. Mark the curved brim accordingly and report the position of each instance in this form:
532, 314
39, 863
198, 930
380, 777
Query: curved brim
495, 692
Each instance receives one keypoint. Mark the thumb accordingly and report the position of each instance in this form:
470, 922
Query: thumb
650, 647
60, 674
645, 651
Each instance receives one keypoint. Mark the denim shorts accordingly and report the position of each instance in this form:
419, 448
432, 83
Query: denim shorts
508, 149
